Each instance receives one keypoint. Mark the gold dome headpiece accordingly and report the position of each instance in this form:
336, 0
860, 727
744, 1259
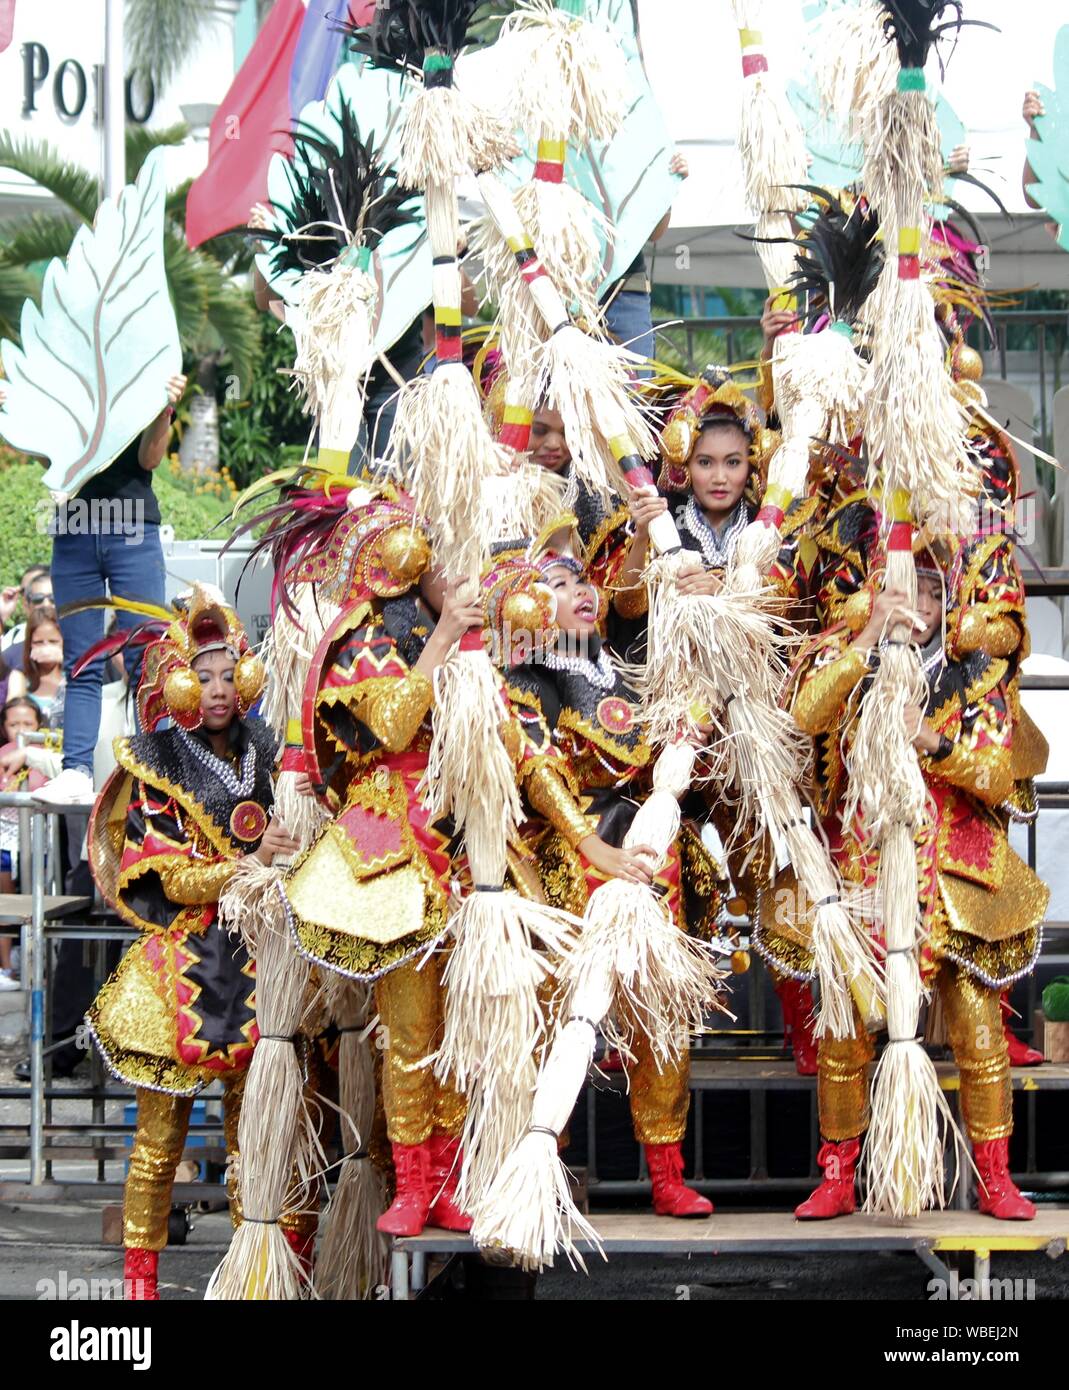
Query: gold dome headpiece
714, 397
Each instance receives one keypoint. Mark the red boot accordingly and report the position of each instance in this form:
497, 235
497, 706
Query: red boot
412, 1202
797, 1000
1021, 1055
835, 1195
671, 1195
999, 1195
303, 1246
139, 1272
444, 1172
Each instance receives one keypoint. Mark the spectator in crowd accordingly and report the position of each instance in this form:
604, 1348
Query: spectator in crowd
32, 590
628, 310
42, 664
18, 716
106, 539
74, 982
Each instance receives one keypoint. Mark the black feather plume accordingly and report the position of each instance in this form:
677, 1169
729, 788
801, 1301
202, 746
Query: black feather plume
333, 189
402, 31
914, 27
839, 260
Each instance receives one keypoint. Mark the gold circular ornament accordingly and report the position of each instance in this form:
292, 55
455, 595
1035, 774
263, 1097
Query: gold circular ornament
249, 679
967, 363
524, 612
181, 694
765, 443
737, 906
677, 437
740, 962
405, 554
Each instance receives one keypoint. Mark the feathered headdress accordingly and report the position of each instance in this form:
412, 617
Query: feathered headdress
173, 638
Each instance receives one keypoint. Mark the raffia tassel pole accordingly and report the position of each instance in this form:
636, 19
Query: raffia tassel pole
585, 379
903, 1156
914, 432
277, 1141
632, 967
440, 440
354, 1257
772, 149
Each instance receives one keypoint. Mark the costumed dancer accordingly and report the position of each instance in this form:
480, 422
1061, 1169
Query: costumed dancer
992, 588
590, 762
369, 899
716, 453
343, 202
184, 808
634, 972
982, 906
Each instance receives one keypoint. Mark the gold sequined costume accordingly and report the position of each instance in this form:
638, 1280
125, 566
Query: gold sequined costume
982, 907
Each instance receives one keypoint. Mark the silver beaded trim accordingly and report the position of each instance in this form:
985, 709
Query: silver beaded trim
236, 784
600, 673
716, 546
990, 981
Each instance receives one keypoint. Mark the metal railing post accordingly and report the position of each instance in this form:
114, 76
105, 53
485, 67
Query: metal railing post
37, 999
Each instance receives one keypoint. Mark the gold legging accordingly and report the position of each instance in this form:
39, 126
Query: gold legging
974, 1026
660, 1099
162, 1126
410, 1003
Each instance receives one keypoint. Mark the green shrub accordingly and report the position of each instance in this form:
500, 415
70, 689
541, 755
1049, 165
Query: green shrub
23, 538
194, 504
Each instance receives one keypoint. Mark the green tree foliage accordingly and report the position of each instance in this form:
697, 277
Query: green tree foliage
260, 416
215, 314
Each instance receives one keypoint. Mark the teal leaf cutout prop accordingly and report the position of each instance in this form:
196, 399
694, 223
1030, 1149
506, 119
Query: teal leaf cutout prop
401, 260
95, 359
1049, 155
627, 180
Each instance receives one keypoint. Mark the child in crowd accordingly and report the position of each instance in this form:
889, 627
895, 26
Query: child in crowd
42, 665
18, 716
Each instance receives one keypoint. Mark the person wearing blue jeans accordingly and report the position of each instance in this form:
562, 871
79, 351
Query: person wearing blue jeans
106, 540
627, 305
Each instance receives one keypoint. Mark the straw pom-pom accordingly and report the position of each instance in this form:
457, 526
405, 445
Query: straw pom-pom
588, 382
570, 74
854, 66
334, 333
445, 134
442, 445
